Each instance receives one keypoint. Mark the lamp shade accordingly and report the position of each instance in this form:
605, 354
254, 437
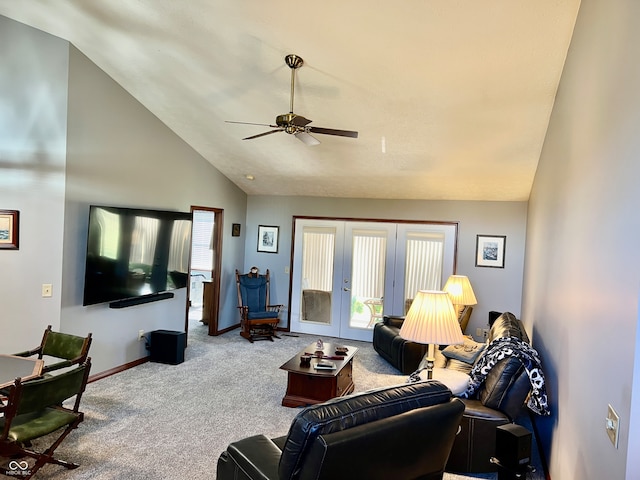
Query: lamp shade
432, 320
459, 289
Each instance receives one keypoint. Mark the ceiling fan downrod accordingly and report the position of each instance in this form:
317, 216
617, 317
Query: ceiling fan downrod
293, 62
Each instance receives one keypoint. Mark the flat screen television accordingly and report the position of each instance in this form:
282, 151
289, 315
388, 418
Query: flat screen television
135, 253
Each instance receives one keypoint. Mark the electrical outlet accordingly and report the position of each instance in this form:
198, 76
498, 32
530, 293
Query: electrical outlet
485, 333
140, 335
612, 425
47, 290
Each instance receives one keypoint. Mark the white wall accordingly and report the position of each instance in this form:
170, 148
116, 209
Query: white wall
495, 288
582, 259
117, 153
33, 111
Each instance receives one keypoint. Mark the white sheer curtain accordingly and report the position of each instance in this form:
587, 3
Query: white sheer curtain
424, 263
317, 258
368, 264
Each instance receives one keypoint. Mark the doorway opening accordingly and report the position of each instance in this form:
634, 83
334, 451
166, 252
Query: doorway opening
204, 274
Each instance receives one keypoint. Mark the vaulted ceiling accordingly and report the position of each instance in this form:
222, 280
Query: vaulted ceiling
451, 98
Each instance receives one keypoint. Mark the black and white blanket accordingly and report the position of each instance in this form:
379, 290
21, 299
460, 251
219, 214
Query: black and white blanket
512, 347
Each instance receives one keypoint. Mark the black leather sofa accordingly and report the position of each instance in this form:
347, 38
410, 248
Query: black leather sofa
402, 354
498, 401
401, 432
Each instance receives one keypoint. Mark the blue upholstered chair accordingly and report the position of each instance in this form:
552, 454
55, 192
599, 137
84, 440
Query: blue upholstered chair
258, 319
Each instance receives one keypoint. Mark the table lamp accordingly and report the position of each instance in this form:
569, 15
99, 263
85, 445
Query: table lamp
459, 289
432, 320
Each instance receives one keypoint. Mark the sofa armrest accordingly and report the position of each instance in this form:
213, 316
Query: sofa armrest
393, 321
251, 458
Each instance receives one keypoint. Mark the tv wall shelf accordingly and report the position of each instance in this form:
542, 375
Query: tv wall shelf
130, 302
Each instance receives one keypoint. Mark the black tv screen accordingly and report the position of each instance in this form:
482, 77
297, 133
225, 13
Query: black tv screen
135, 253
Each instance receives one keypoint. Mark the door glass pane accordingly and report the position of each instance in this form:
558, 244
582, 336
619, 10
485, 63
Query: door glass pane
367, 277
423, 264
318, 250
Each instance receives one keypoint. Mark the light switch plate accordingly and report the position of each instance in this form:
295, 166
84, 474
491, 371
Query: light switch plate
47, 290
613, 425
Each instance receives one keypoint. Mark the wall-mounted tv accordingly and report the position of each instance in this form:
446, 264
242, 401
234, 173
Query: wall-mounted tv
135, 254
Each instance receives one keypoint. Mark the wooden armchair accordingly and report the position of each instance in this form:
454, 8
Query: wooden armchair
258, 319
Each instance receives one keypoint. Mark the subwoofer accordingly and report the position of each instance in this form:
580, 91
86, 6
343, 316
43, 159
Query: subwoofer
513, 447
167, 346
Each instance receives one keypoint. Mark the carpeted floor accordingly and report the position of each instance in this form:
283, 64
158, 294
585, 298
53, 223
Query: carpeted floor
158, 421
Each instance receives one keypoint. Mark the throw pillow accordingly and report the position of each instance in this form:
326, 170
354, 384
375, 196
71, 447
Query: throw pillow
467, 352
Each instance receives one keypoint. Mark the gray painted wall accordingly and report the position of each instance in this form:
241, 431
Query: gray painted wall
582, 275
117, 153
495, 288
33, 111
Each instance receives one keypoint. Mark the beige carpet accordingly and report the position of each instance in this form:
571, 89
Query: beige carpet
160, 421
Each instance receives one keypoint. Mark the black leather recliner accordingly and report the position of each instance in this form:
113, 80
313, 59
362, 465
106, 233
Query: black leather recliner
402, 354
500, 400
401, 432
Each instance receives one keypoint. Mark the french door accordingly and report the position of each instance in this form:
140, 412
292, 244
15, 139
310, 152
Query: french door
346, 275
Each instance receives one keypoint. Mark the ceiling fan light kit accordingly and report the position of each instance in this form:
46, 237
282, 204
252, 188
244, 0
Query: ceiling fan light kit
294, 124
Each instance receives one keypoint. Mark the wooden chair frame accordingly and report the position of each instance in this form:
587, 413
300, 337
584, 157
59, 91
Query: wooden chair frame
257, 325
72, 349
35, 409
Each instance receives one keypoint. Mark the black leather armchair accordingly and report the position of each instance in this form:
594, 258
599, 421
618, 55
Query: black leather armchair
400, 432
402, 354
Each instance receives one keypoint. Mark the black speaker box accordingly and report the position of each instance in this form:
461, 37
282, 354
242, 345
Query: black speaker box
167, 346
513, 446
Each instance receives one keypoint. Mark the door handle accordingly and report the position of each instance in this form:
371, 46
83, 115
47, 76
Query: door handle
346, 289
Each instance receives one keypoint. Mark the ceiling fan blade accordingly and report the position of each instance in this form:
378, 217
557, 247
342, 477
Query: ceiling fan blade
249, 123
300, 121
331, 131
307, 139
263, 134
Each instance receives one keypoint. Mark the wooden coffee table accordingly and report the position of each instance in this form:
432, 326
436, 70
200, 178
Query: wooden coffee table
306, 385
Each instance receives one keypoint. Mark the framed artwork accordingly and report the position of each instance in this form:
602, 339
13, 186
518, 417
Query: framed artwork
9, 228
235, 229
490, 250
268, 238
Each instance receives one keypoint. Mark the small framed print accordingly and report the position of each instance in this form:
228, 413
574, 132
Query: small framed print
490, 250
235, 229
268, 238
9, 229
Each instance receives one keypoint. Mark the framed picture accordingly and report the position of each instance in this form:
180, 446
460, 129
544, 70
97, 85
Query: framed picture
9, 229
235, 229
490, 250
268, 238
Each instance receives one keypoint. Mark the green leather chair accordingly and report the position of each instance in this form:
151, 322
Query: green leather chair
68, 349
33, 410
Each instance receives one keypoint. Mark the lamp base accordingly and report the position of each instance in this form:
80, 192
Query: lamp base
430, 360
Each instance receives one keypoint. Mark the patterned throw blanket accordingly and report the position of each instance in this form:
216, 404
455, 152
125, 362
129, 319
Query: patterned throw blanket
512, 347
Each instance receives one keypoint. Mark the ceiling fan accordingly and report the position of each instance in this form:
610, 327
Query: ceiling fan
296, 124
